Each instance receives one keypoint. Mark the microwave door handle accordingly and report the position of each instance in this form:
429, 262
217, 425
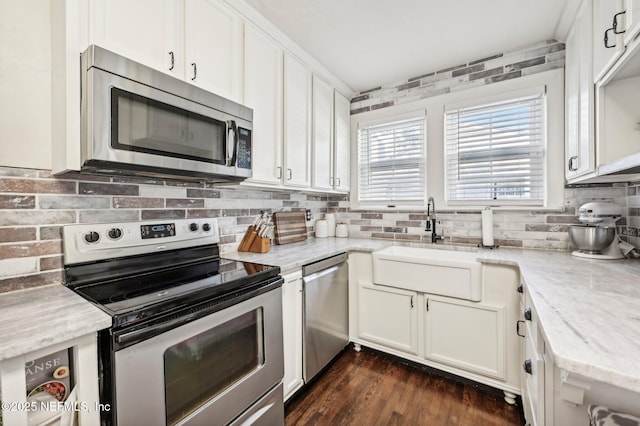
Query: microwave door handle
232, 142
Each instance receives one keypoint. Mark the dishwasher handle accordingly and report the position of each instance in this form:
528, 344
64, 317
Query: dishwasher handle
323, 264
316, 275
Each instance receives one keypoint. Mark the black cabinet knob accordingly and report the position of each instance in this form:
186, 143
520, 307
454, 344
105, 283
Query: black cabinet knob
520, 288
527, 366
91, 237
193, 227
527, 314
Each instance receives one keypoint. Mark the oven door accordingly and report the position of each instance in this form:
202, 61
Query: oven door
209, 371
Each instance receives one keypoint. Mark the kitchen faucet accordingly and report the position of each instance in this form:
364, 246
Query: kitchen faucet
431, 221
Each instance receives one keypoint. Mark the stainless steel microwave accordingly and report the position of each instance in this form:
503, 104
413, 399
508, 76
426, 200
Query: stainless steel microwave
139, 121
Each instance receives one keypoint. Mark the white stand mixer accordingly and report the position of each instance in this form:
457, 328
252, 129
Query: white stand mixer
599, 215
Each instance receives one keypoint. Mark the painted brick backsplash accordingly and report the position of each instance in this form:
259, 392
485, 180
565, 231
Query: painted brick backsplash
34, 205
529, 60
528, 229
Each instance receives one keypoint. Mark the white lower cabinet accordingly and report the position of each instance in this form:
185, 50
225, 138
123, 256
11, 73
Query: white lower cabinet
388, 316
292, 332
467, 335
476, 340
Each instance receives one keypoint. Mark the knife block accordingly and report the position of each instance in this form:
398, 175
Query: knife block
251, 242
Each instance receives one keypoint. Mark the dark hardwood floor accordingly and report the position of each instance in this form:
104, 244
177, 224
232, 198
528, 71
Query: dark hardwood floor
369, 388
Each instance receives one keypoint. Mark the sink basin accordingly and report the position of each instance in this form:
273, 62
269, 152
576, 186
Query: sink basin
443, 272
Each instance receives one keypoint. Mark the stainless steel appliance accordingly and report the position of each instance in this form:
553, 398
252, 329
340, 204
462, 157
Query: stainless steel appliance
136, 120
326, 312
597, 237
195, 340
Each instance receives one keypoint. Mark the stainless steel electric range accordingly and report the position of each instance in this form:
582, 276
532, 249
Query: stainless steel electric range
195, 340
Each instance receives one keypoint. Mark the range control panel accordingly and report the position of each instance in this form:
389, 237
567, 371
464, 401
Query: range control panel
90, 242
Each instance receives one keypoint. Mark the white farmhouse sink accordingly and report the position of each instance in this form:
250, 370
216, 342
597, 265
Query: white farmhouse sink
443, 272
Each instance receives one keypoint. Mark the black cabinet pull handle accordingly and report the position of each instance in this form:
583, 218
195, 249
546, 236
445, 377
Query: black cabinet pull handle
615, 23
527, 314
195, 71
606, 39
173, 61
518, 328
527, 367
572, 168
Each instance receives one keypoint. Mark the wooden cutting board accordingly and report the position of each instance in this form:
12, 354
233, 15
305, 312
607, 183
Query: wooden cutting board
289, 227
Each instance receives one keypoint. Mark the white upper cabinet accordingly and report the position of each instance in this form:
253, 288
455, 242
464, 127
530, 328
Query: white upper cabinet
331, 150
579, 103
213, 47
632, 20
342, 147
297, 123
608, 34
145, 31
198, 41
263, 93
322, 134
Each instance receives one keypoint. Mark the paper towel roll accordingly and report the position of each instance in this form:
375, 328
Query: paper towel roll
487, 227
331, 224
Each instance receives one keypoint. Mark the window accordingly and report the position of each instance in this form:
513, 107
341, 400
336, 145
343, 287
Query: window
495, 152
392, 162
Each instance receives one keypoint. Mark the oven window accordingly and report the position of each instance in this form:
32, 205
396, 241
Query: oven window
146, 125
203, 366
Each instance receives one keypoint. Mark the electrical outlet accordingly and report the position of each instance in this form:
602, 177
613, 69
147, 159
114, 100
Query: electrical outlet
308, 215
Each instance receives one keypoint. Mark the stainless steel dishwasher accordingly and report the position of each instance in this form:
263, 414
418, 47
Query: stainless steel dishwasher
326, 312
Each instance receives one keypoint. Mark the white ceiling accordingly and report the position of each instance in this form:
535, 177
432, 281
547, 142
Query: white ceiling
368, 43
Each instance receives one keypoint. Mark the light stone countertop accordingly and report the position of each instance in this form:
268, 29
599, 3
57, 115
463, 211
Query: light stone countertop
589, 310
37, 318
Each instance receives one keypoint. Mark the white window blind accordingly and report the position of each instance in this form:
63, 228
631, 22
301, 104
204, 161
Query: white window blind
495, 152
391, 162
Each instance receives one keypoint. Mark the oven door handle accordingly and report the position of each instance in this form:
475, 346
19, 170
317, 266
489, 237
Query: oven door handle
143, 333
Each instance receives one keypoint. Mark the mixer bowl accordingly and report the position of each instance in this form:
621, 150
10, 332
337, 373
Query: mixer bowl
591, 239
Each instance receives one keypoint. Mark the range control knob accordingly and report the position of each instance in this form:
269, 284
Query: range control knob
206, 227
193, 227
115, 233
91, 237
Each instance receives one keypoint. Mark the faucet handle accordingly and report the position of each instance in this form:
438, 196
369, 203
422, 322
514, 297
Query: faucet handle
427, 227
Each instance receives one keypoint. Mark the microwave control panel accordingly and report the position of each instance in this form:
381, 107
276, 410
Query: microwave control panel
244, 149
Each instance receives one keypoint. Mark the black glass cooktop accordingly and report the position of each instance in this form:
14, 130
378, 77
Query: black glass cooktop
136, 289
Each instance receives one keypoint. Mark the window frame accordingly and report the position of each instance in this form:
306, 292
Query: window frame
494, 99
379, 119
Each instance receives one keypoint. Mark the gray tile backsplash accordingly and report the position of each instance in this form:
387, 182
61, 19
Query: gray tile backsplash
502, 66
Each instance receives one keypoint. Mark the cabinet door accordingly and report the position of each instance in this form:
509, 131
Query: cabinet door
297, 123
144, 31
580, 151
632, 20
533, 382
292, 336
263, 93
342, 150
322, 134
213, 47
604, 12
388, 316
466, 335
